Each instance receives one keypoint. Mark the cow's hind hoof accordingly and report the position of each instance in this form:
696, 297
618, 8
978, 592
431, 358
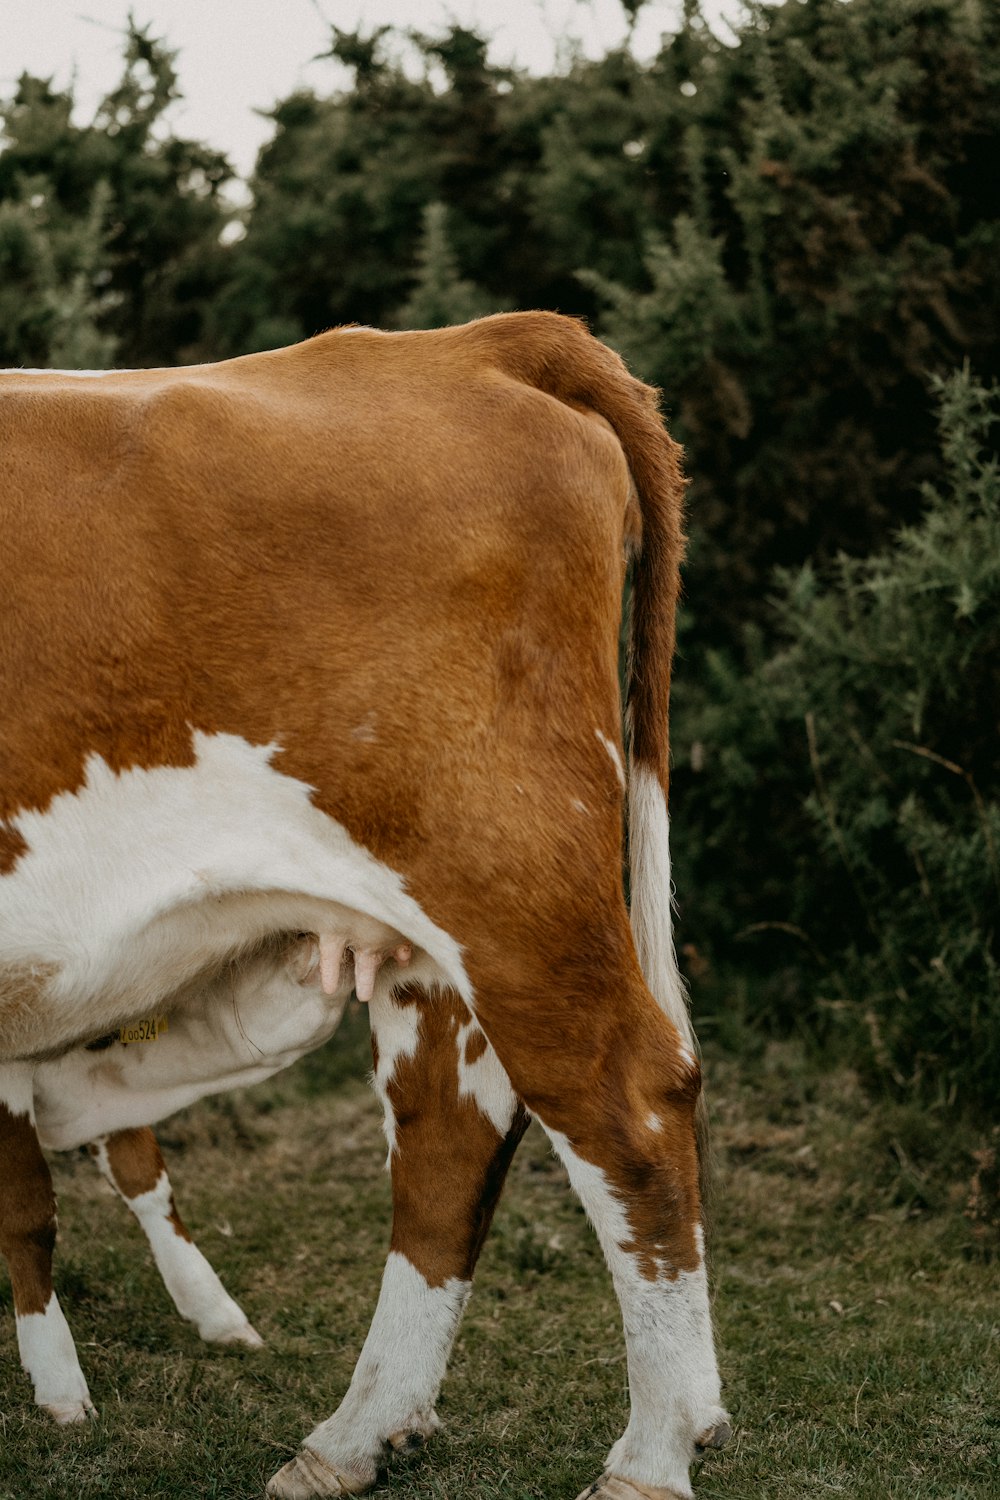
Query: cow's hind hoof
610, 1487
716, 1437
243, 1337
65, 1412
309, 1477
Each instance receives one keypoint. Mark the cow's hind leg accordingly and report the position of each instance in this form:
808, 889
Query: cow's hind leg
452, 1124
27, 1240
131, 1161
616, 1088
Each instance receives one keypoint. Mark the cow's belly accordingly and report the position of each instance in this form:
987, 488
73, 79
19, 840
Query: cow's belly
137, 892
229, 1029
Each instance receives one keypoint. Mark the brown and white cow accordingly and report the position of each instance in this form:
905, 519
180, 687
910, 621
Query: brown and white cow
309, 672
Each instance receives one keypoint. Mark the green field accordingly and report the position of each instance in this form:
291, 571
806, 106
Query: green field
857, 1318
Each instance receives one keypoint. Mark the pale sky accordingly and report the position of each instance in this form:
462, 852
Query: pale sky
240, 55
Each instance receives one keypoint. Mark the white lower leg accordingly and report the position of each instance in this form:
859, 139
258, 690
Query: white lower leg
390, 1401
194, 1287
673, 1376
49, 1357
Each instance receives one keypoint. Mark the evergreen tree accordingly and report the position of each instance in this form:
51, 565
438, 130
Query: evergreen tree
53, 280
112, 226
440, 295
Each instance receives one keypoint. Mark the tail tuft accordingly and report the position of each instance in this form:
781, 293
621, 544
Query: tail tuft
649, 869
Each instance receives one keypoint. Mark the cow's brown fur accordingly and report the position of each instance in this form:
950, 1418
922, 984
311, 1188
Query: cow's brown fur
442, 1138
136, 1165
27, 1213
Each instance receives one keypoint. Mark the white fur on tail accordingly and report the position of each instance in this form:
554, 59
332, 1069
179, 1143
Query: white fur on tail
649, 866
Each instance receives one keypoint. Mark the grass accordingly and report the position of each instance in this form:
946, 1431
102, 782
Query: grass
857, 1318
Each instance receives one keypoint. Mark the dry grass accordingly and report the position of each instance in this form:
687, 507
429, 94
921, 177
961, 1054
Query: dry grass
857, 1316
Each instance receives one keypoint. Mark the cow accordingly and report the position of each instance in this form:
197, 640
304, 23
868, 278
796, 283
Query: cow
310, 670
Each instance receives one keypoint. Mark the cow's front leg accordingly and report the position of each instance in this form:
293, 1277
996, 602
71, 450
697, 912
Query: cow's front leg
453, 1124
132, 1162
27, 1241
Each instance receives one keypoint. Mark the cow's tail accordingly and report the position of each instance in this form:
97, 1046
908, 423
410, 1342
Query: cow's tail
559, 356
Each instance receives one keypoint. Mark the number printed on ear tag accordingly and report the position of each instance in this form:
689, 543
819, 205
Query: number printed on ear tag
146, 1030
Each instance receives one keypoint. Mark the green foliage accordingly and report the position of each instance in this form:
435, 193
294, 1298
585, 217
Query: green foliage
53, 271
440, 295
878, 718
536, 176
109, 232
77, 300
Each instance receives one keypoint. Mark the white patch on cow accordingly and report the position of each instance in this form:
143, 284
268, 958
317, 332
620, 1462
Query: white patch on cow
649, 867
653, 1121
16, 1088
194, 1287
578, 806
398, 1376
396, 1029
615, 754
48, 1354
673, 1376
142, 882
485, 1081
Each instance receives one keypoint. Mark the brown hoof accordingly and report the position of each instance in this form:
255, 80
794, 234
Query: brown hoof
716, 1437
610, 1487
309, 1477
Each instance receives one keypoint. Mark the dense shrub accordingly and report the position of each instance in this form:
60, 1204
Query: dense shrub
847, 805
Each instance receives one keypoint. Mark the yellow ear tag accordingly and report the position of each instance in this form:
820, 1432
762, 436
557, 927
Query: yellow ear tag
143, 1031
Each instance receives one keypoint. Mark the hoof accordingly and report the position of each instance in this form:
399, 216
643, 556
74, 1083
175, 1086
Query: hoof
716, 1437
610, 1487
419, 1428
406, 1442
65, 1412
246, 1335
309, 1477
